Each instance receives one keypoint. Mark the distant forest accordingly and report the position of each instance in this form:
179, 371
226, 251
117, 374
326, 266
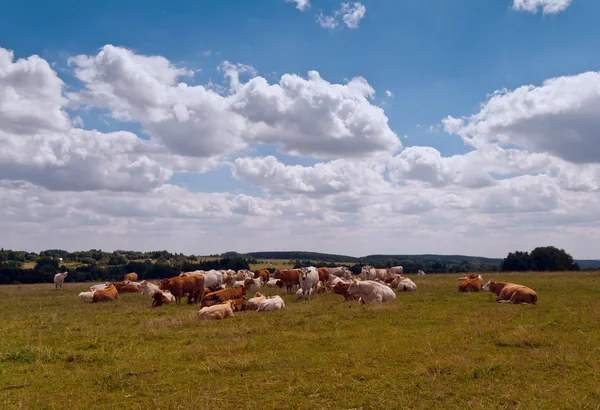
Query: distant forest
97, 265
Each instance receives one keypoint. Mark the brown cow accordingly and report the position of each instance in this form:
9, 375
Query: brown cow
262, 273
180, 285
323, 274
290, 277
507, 292
159, 299
341, 288
132, 277
221, 296
472, 284
108, 294
126, 287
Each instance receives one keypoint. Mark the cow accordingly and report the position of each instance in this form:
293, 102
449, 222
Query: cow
159, 299
59, 278
323, 274
179, 286
133, 277
108, 294
507, 292
341, 288
217, 312
290, 278
406, 285
99, 286
270, 304
87, 296
252, 283
221, 296
370, 273
253, 303
262, 273
126, 287
420, 273
274, 283
309, 278
371, 292
148, 288
473, 283
397, 270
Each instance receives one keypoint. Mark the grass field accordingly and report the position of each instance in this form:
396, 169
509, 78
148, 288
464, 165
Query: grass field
434, 349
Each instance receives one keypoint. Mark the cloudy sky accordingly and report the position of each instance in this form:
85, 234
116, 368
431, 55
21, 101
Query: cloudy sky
380, 126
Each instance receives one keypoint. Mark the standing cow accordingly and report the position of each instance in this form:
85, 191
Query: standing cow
59, 278
309, 278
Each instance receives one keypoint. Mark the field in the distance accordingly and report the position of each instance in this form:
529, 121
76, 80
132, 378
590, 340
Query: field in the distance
432, 349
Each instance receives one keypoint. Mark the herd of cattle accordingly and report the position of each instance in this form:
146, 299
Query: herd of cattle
222, 292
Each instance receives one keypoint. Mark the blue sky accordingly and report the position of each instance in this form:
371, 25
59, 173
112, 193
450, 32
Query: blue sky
439, 58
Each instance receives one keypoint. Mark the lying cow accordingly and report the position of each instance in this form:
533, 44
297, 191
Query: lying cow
341, 288
87, 296
271, 304
371, 292
253, 303
159, 299
473, 283
507, 292
217, 312
108, 294
221, 296
123, 287
406, 285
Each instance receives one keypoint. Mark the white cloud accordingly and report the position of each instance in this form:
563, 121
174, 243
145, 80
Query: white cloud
558, 117
389, 93
301, 5
547, 6
350, 13
300, 116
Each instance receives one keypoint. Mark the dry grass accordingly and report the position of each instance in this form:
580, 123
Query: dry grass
435, 349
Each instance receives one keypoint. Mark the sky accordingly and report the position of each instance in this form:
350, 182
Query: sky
380, 126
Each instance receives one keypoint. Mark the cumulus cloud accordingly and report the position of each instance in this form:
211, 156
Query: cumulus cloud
300, 116
547, 6
389, 93
300, 4
558, 117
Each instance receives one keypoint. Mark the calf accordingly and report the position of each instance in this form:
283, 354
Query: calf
217, 312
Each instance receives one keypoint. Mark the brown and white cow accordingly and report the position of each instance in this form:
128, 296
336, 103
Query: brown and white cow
507, 292
108, 294
221, 296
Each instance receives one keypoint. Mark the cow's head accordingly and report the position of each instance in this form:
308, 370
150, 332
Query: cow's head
488, 286
353, 288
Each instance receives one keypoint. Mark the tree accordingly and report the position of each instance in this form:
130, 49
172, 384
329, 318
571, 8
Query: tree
547, 258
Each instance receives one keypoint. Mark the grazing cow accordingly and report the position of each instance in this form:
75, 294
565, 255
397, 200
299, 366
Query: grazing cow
262, 273
159, 299
420, 273
341, 288
126, 287
221, 296
309, 278
133, 277
253, 303
270, 304
473, 283
406, 285
108, 294
290, 278
371, 292
59, 278
148, 288
87, 296
507, 292
397, 270
217, 312
179, 286
323, 274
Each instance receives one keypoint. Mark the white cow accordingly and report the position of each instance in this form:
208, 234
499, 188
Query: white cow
99, 286
309, 278
87, 296
397, 270
369, 273
148, 288
371, 292
192, 273
212, 278
217, 312
270, 304
420, 273
272, 283
168, 295
59, 278
254, 302
406, 285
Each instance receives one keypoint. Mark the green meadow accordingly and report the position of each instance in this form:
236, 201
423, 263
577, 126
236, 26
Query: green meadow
433, 349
